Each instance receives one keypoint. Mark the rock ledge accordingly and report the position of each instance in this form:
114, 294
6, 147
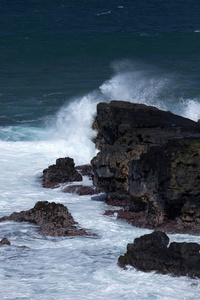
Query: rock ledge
150, 252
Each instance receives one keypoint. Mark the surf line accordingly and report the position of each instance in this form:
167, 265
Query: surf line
105, 13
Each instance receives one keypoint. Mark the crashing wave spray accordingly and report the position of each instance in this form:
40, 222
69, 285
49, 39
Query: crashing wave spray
72, 126
136, 83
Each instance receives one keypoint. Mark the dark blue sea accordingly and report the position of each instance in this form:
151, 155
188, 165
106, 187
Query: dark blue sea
58, 60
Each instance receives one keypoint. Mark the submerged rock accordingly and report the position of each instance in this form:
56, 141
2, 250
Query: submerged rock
82, 190
149, 161
63, 171
150, 252
5, 241
53, 219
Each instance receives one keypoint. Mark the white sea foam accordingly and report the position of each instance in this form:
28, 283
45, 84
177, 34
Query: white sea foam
71, 127
70, 130
81, 267
190, 108
104, 13
70, 268
133, 86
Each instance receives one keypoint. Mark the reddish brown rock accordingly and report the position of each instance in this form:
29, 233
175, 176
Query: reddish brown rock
137, 219
82, 190
85, 170
53, 219
5, 241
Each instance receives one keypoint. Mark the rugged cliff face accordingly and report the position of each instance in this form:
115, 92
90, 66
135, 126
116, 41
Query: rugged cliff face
149, 161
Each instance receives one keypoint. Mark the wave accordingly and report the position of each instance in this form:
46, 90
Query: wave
70, 129
136, 83
104, 13
189, 108
142, 83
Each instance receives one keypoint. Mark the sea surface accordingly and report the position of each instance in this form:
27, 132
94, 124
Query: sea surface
58, 59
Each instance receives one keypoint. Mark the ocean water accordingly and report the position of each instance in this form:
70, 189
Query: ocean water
58, 59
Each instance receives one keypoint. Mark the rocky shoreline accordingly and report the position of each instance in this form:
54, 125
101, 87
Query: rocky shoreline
54, 219
149, 164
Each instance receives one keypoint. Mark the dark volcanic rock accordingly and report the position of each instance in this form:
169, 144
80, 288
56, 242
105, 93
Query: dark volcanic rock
168, 177
53, 219
63, 171
5, 241
149, 159
150, 252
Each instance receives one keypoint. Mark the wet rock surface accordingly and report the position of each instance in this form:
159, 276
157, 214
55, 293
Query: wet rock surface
63, 171
151, 252
5, 241
52, 219
149, 162
82, 190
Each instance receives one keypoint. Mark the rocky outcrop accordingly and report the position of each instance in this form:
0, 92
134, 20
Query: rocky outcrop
53, 219
5, 241
150, 252
149, 162
63, 171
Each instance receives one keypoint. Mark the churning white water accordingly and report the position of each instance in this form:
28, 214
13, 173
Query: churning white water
37, 267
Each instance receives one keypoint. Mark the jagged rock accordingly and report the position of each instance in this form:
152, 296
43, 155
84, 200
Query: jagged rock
5, 241
149, 159
53, 219
150, 252
63, 171
168, 178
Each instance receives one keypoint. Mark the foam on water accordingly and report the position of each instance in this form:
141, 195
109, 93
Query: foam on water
78, 267
71, 127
